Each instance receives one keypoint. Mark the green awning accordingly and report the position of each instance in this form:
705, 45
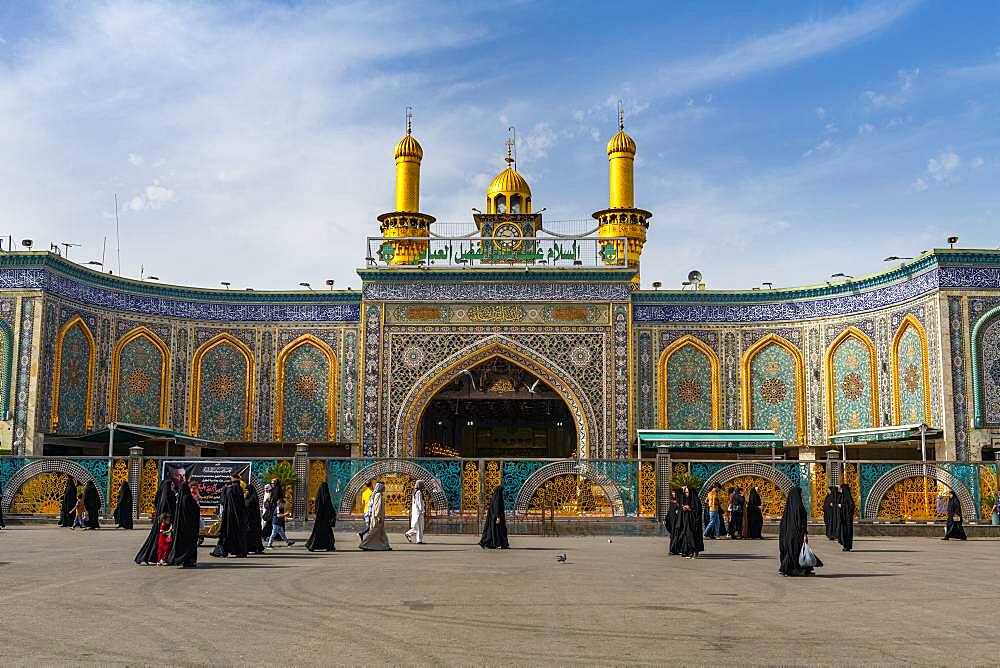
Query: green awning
713, 439
902, 432
131, 434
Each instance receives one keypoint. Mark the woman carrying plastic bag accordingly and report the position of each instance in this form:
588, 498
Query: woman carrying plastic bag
795, 556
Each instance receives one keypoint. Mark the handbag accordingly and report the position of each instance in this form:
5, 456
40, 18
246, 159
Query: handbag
807, 558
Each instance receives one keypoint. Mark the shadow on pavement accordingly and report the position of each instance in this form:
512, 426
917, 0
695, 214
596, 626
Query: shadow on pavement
835, 576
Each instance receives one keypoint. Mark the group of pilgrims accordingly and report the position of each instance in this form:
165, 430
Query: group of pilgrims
245, 520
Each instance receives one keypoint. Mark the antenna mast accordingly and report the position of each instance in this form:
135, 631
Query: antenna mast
118, 237
512, 146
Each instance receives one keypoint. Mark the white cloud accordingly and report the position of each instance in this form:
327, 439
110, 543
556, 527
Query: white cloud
866, 129
784, 47
920, 185
822, 147
896, 95
135, 160
820, 113
942, 168
977, 163
153, 196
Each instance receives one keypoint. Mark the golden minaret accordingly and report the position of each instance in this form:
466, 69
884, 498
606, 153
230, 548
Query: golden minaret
406, 221
621, 218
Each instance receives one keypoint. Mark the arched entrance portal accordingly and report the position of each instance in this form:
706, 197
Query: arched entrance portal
497, 409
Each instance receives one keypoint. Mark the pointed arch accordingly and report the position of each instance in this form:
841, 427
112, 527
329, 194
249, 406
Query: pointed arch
897, 405
420, 395
141, 332
798, 400
57, 376
222, 340
331, 385
6, 365
715, 394
831, 378
986, 381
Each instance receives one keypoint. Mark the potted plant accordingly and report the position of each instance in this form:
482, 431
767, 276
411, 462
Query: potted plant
990, 501
285, 474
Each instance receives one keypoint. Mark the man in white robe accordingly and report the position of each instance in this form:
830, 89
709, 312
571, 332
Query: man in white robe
417, 515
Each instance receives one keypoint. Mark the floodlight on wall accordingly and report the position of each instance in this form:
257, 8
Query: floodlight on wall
225, 283
306, 285
330, 282
96, 263
27, 243
842, 275
952, 241
769, 284
893, 258
152, 278
657, 285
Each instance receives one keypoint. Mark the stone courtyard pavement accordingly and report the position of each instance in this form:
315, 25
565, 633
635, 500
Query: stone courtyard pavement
77, 597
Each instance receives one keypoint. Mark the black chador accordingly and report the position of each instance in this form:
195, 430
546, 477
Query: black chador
792, 534
255, 544
321, 538
68, 503
164, 503
233, 530
845, 517
123, 511
753, 518
495, 528
92, 502
672, 520
736, 503
830, 513
187, 524
691, 542
954, 528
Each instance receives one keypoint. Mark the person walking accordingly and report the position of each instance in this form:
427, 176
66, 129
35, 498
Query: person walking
954, 527
123, 510
164, 503
278, 525
830, 513
692, 542
366, 503
495, 526
714, 528
322, 538
233, 527
255, 542
845, 517
416, 515
164, 540
753, 517
68, 503
79, 513
736, 502
792, 533
187, 525
92, 502
376, 538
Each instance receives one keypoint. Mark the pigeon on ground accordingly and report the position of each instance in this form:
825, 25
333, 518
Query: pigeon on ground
561, 558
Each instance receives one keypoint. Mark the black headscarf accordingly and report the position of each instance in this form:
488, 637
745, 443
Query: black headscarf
954, 528
321, 537
845, 517
233, 532
187, 524
673, 522
495, 528
791, 535
68, 503
754, 518
255, 544
123, 511
164, 502
92, 502
830, 513
690, 542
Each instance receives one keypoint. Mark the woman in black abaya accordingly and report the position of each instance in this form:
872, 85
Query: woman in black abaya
954, 528
92, 502
68, 503
691, 542
164, 502
672, 520
321, 538
186, 525
495, 529
830, 513
792, 534
753, 518
737, 503
845, 517
233, 531
255, 542
123, 511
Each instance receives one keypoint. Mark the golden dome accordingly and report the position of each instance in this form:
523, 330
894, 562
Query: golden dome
408, 147
509, 182
621, 143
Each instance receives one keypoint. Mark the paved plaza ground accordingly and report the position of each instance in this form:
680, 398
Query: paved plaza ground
75, 596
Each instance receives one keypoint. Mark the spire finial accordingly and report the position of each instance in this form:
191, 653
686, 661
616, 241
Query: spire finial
511, 158
621, 116
409, 120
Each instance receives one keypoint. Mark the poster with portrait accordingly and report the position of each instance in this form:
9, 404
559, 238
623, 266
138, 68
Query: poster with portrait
207, 478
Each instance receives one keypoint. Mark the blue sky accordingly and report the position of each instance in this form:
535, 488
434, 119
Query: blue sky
251, 142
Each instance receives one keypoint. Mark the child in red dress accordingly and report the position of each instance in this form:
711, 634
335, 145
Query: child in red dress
164, 541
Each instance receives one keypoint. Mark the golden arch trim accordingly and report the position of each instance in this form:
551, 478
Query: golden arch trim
88, 413
800, 382
148, 334
897, 411
331, 385
195, 396
715, 379
831, 381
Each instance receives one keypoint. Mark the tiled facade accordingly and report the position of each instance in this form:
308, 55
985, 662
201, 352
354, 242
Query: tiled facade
920, 343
